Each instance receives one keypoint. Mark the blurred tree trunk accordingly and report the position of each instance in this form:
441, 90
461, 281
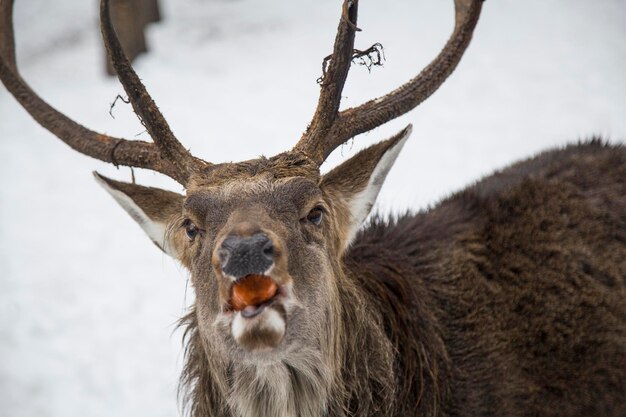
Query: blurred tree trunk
130, 17
151, 12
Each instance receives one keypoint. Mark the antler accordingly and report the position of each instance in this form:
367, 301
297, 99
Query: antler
332, 81
168, 156
169, 147
331, 128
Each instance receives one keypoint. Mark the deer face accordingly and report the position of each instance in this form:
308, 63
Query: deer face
263, 241
258, 249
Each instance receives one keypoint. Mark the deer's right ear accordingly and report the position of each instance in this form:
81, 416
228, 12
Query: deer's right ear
152, 208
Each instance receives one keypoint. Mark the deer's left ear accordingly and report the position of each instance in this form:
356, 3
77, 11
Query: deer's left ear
354, 185
153, 209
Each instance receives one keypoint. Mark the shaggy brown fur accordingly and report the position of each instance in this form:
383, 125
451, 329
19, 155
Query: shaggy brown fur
508, 298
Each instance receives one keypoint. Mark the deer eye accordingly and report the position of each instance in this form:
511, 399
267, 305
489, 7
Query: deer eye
315, 215
190, 229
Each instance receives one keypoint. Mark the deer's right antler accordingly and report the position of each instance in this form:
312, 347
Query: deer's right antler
166, 155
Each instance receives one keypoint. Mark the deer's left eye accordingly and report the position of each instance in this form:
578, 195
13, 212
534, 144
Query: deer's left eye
190, 229
315, 216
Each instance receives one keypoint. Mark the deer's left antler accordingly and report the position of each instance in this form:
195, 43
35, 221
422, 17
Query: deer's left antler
330, 127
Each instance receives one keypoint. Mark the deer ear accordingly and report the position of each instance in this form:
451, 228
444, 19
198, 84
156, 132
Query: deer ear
152, 208
355, 183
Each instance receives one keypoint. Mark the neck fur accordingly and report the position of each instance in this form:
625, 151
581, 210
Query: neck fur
359, 375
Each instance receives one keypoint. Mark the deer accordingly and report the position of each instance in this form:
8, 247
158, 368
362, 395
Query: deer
506, 298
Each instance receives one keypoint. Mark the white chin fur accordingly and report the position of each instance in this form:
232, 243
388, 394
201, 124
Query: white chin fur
268, 321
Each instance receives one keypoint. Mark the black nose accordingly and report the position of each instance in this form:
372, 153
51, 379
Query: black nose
241, 256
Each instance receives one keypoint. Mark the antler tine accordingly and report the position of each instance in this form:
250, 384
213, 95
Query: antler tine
374, 113
105, 148
356, 120
313, 141
7, 40
158, 128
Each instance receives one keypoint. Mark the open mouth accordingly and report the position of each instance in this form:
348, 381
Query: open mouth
256, 311
251, 293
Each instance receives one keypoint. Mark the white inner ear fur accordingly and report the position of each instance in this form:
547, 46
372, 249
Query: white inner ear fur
361, 204
156, 231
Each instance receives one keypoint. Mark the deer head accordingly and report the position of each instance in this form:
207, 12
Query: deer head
263, 239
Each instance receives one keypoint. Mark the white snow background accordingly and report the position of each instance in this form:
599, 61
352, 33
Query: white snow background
88, 305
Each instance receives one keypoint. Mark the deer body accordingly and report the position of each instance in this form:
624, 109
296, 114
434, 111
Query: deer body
522, 278
505, 299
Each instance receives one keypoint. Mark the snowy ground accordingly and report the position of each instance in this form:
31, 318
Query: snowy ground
88, 305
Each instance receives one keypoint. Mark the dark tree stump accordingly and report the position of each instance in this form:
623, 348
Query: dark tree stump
130, 18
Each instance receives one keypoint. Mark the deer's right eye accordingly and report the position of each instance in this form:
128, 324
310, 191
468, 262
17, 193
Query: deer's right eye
190, 229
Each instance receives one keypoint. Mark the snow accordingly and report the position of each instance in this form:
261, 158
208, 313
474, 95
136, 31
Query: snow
88, 305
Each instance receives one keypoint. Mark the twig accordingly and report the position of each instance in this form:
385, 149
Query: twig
125, 100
